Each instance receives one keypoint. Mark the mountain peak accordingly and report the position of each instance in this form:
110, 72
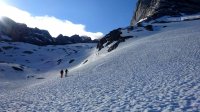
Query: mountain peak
153, 9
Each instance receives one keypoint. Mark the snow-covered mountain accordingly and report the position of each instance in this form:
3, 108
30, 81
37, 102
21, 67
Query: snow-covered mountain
153, 66
154, 71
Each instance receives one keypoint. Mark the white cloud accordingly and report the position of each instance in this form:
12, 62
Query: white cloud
54, 25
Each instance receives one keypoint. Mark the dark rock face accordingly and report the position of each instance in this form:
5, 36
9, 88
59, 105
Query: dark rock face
73, 39
109, 38
112, 37
63, 39
39, 37
153, 9
71, 61
149, 27
80, 39
17, 68
21, 33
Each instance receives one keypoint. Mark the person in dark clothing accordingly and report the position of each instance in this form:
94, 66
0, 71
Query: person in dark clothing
66, 71
61, 73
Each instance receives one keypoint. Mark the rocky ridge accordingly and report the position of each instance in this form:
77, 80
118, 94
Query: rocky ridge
17, 32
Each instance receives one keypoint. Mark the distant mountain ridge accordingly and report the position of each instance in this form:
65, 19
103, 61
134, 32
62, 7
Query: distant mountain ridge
153, 9
17, 32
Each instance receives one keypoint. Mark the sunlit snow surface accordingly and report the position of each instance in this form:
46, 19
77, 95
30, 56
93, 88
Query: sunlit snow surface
157, 71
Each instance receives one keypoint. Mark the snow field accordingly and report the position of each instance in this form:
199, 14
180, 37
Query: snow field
153, 73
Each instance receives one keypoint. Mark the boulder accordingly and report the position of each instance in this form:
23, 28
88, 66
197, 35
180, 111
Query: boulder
149, 27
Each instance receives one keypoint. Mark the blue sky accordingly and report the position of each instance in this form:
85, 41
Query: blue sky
96, 15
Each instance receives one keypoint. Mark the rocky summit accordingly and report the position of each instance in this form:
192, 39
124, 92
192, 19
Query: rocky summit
152, 9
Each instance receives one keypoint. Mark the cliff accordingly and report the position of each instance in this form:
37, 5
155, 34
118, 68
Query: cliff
153, 9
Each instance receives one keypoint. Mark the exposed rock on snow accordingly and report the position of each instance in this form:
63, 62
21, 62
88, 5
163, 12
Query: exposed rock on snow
149, 27
17, 68
71, 61
112, 37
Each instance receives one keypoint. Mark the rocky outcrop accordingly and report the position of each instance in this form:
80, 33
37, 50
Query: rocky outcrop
73, 39
109, 38
112, 40
17, 32
148, 10
153, 9
63, 40
80, 39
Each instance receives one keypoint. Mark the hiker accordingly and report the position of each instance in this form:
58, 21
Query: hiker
61, 73
66, 71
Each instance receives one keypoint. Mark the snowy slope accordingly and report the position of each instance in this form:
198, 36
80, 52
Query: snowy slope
22, 62
158, 71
